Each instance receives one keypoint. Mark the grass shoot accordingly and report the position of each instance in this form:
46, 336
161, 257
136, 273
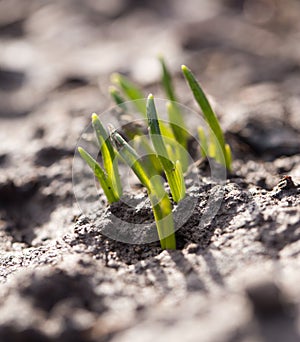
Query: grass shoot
132, 92
165, 152
160, 202
108, 176
220, 150
173, 171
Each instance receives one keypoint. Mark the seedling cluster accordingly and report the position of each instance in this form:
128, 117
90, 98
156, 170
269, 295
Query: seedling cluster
166, 149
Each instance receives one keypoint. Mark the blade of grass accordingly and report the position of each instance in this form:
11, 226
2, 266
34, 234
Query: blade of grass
180, 133
179, 177
177, 122
161, 151
228, 156
100, 175
203, 142
162, 210
108, 155
140, 142
171, 153
117, 98
166, 81
175, 117
214, 149
207, 110
130, 156
160, 201
132, 92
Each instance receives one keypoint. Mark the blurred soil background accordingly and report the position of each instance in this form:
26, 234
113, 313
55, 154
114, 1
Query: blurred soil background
236, 280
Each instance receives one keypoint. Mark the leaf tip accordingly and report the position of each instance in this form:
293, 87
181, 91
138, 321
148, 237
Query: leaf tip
115, 78
150, 97
80, 150
160, 57
184, 68
112, 89
94, 117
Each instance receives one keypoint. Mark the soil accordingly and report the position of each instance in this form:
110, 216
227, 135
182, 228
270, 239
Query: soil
232, 278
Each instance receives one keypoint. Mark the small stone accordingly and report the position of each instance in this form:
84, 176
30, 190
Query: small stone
192, 248
286, 184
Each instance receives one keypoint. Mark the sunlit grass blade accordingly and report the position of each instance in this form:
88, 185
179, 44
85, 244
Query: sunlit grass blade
162, 210
228, 156
108, 155
177, 123
175, 117
207, 110
117, 97
141, 143
204, 104
132, 92
160, 201
214, 149
161, 151
130, 156
203, 142
179, 177
166, 81
100, 175
156, 136
180, 133
166, 131
171, 153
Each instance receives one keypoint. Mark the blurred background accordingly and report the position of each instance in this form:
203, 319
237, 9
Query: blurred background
56, 58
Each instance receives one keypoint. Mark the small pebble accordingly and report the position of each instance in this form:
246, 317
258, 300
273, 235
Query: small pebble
192, 248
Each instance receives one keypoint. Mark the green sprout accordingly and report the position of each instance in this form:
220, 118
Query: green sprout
175, 117
146, 170
172, 170
218, 148
117, 97
161, 205
166, 80
165, 151
108, 176
213, 146
132, 92
203, 142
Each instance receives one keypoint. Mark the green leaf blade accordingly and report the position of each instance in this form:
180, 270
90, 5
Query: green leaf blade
173, 177
108, 155
162, 210
203, 142
204, 104
130, 156
117, 98
132, 92
180, 133
155, 135
166, 81
100, 175
160, 202
228, 157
